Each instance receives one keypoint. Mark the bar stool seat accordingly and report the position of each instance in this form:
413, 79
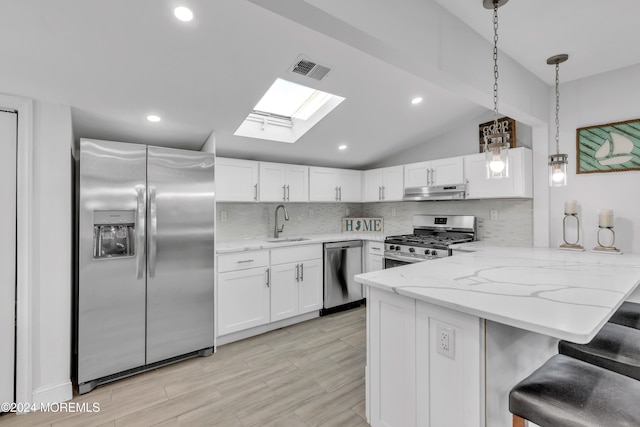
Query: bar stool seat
565, 392
615, 347
627, 315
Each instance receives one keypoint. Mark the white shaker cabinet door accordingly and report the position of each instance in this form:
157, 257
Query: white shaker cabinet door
243, 299
236, 180
310, 286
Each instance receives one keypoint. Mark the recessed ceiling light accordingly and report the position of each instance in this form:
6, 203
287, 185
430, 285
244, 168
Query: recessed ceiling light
153, 118
183, 13
417, 100
342, 147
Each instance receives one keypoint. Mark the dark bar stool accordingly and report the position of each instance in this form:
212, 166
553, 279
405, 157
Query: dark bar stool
627, 315
615, 347
565, 392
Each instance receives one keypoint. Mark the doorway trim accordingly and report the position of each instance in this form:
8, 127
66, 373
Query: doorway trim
24, 250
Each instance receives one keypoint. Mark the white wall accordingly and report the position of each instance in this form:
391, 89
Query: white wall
609, 97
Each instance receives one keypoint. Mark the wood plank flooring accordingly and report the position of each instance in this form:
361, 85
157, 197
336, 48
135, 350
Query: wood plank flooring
308, 374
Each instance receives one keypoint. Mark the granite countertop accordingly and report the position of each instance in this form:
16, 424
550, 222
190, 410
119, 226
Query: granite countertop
265, 243
567, 295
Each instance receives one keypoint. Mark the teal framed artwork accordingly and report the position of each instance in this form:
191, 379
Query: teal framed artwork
612, 147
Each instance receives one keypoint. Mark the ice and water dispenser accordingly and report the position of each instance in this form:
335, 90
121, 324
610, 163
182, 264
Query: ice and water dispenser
113, 234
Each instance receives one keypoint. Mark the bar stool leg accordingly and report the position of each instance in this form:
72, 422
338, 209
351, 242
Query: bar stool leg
518, 422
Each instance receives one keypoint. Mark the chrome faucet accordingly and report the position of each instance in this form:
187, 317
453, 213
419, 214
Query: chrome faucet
277, 231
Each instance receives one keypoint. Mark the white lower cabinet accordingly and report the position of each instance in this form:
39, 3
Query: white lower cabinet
391, 346
244, 292
373, 256
296, 281
409, 381
256, 288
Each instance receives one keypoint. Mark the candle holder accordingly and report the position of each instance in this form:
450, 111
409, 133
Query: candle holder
568, 245
607, 249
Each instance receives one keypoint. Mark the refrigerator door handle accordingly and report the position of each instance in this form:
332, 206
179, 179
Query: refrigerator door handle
153, 231
140, 224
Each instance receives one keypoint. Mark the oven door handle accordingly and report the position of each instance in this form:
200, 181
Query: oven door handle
403, 258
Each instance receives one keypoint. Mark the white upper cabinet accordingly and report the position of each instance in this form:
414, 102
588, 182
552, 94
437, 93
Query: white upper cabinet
436, 172
519, 183
384, 184
283, 183
236, 180
334, 185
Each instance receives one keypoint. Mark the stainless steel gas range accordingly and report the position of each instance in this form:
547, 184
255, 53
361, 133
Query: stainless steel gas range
432, 238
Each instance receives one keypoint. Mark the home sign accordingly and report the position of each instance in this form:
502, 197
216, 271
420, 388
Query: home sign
362, 225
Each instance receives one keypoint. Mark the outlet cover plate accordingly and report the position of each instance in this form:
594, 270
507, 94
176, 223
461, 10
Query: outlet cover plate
446, 340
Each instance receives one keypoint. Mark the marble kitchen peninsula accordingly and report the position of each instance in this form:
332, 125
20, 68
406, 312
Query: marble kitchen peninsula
448, 338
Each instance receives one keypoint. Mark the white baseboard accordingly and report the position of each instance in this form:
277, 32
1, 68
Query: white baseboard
53, 393
240, 335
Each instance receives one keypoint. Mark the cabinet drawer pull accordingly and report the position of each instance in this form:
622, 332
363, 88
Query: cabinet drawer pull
375, 249
245, 261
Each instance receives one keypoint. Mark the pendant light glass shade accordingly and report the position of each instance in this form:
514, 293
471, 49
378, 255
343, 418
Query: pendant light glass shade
558, 170
496, 148
558, 162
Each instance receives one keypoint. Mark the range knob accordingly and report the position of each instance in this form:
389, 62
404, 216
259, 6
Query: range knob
427, 251
434, 253
412, 250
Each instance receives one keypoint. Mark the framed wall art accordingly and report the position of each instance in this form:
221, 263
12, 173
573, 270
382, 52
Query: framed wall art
612, 147
505, 124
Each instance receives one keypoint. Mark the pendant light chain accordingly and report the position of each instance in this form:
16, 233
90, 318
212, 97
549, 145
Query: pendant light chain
495, 64
557, 108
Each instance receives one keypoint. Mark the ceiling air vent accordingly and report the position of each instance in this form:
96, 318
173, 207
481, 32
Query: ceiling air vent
310, 69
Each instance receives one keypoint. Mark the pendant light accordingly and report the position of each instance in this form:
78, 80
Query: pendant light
496, 144
557, 162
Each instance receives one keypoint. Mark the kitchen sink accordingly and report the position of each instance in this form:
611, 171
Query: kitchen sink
287, 239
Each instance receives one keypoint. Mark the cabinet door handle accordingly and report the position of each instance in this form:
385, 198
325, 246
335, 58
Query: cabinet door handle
383, 191
379, 193
428, 176
255, 187
288, 193
433, 176
284, 193
297, 272
340, 192
267, 277
302, 272
336, 193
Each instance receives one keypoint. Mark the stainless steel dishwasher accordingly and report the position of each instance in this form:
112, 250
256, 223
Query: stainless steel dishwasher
342, 261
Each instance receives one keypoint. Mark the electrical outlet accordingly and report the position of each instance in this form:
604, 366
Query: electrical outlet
347, 212
310, 213
494, 214
223, 215
445, 340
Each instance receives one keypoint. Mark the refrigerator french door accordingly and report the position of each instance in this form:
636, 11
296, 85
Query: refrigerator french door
145, 258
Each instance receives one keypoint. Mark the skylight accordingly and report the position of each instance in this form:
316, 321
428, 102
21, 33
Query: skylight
287, 111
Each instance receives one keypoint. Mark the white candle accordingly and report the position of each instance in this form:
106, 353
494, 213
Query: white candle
606, 218
570, 207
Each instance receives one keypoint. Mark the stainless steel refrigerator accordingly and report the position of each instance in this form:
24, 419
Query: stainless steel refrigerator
145, 283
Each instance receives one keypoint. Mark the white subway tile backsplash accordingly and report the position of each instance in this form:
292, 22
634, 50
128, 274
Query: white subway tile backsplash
514, 226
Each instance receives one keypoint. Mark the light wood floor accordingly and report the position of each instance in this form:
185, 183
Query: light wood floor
309, 374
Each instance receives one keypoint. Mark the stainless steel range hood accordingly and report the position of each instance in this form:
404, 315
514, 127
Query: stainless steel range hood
435, 192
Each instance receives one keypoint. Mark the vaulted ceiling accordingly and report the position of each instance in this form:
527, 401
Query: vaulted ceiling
115, 62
